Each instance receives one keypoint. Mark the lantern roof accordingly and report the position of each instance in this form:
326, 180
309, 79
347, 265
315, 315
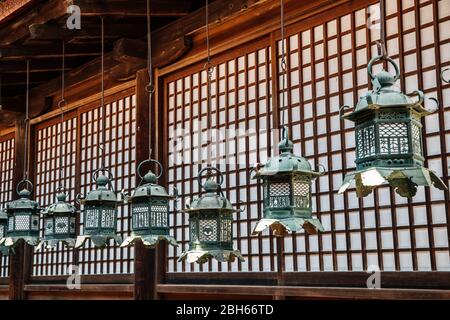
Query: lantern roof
385, 95
150, 188
213, 199
60, 206
23, 203
404, 180
286, 163
102, 193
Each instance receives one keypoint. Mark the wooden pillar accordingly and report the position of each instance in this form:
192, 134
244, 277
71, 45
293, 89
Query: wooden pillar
20, 262
145, 261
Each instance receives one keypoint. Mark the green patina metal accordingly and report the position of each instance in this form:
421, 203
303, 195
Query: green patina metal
59, 223
286, 181
23, 218
388, 132
3, 225
211, 225
149, 211
100, 212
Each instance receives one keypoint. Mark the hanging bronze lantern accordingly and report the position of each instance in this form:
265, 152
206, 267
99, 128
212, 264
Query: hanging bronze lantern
23, 218
99, 212
388, 133
149, 210
287, 180
211, 224
59, 223
3, 225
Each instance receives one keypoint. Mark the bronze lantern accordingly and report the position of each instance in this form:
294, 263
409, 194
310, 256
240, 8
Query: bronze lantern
149, 210
59, 223
211, 224
100, 212
23, 218
287, 180
388, 134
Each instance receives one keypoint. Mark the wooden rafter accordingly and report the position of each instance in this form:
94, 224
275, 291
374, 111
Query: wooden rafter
137, 8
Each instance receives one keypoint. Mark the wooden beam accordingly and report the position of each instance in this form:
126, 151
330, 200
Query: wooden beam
18, 28
218, 11
46, 51
303, 292
52, 65
170, 39
9, 118
135, 51
161, 8
54, 32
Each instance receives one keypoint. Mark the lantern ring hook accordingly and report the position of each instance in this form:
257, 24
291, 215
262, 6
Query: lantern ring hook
199, 177
442, 76
321, 166
388, 59
27, 183
150, 161
150, 88
104, 170
62, 103
437, 104
341, 109
78, 198
60, 189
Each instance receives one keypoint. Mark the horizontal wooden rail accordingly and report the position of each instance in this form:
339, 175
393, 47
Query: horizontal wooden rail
300, 292
86, 292
404, 280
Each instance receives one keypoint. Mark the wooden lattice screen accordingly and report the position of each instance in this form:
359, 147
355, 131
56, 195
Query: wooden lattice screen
6, 184
326, 69
82, 154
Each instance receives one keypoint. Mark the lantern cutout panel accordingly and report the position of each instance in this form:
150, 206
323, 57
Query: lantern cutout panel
23, 218
286, 181
3, 225
100, 212
388, 134
211, 224
149, 211
59, 223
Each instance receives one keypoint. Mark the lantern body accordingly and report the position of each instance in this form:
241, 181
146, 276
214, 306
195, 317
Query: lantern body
388, 133
211, 230
59, 223
210, 227
149, 214
3, 226
23, 220
99, 215
3, 223
286, 181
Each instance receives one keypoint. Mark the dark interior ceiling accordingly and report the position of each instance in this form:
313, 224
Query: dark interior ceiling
123, 19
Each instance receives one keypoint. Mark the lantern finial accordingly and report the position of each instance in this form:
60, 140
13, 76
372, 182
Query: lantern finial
285, 145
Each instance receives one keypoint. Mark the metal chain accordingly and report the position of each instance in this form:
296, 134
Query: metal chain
103, 93
150, 87
383, 37
283, 63
27, 121
61, 132
209, 69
